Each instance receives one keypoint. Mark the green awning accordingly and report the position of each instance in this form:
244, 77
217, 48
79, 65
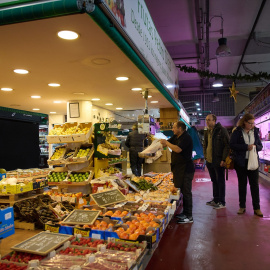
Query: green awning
28, 11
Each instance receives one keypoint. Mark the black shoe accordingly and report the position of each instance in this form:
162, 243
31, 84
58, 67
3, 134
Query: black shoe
180, 215
185, 220
211, 203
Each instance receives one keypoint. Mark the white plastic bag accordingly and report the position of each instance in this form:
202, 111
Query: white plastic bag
253, 160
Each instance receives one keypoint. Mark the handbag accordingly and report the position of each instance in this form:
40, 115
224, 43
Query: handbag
253, 163
229, 163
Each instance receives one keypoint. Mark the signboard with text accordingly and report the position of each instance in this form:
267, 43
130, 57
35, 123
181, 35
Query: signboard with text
134, 18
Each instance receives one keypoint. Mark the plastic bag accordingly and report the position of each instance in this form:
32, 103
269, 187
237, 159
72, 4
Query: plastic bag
253, 163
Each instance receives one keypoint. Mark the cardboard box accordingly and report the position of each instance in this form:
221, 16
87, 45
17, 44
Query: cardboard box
7, 227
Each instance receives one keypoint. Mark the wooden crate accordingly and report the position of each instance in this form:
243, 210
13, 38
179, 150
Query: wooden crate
24, 225
11, 199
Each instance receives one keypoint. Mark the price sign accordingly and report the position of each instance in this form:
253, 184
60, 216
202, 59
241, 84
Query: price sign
105, 198
81, 217
42, 243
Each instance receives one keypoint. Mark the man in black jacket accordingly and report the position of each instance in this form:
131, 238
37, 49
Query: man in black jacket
216, 149
135, 142
182, 167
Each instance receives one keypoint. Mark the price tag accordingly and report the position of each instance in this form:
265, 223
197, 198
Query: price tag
100, 188
81, 201
96, 236
144, 207
120, 205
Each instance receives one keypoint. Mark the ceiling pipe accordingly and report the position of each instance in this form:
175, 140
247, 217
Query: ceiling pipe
199, 21
250, 35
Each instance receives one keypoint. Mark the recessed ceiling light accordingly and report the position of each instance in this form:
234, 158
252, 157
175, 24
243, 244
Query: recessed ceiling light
69, 35
78, 93
122, 78
35, 96
6, 89
21, 71
108, 104
52, 112
154, 101
136, 89
57, 101
119, 108
54, 84
95, 99
148, 96
36, 109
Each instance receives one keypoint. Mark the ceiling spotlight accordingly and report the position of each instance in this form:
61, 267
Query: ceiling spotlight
215, 98
223, 49
57, 101
35, 96
95, 99
136, 89
119, 108
122, 78
54, 84
21, 71
154, 101
198, 109
217, 83
6, 89
197, 104
200, 113
109, 104
52, 112
36, 109
68, 35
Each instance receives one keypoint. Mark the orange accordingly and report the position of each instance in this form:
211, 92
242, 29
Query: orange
136, 215
108, 213
160, 216
128, 222
121, 229
124, 235
96, 222
103, 223
124, 213
118, 212
133, 236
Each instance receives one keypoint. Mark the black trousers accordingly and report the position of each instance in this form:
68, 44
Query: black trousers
135, 162
217, 175
184, 182
253, 177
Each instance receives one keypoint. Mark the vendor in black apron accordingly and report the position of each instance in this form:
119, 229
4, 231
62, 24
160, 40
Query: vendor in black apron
182, 167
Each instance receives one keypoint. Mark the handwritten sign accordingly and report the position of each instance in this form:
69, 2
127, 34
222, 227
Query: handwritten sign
42, 243
81, 217
108, 197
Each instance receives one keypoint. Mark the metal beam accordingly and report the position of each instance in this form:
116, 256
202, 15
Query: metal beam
250, 35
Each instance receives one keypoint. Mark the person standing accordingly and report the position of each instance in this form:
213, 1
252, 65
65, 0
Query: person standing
182, 167
216, 149
135, 142
243, 139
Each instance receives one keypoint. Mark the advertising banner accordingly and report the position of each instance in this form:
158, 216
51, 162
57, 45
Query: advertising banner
134, 18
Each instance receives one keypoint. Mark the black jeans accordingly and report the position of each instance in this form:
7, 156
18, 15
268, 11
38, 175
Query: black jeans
185, 185
135, 162
253, 177
217, 175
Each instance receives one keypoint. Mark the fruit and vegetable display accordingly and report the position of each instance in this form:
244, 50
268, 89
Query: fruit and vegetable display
56, 131
57, 176
58, 153
143, 184
45, 214
11, 266
26, 209
87, 242
71, 251
78, 177
69, 131
22, 257
68, 206
83, 130
123, 247
83, 152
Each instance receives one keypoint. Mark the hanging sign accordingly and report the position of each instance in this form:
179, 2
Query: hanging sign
184, 116
134, 18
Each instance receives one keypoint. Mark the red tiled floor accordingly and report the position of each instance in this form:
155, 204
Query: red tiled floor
218, 239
